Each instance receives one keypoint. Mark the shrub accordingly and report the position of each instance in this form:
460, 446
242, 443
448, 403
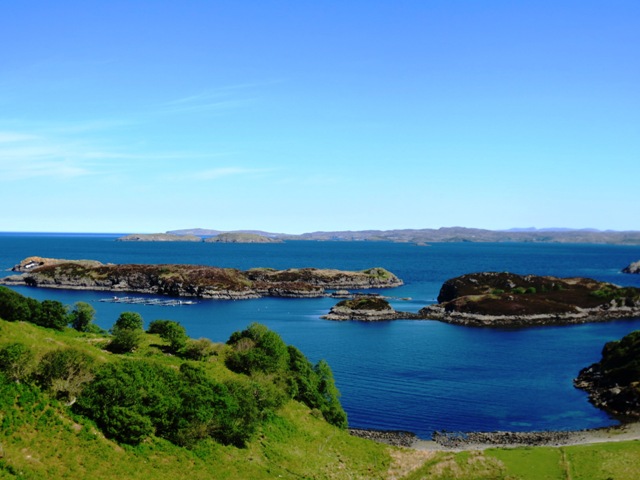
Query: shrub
125, 340
15, 361
199, 349
51, 314
257, 349
64, 372
129, 321
127, 333
81, 316
170, 331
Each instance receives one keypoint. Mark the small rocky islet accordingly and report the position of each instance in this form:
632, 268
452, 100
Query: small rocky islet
633, 267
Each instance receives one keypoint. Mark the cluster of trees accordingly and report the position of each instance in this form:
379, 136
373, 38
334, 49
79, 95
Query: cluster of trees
261, 354
130, 399
48, 313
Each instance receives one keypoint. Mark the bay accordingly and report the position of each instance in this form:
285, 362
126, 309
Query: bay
418, 376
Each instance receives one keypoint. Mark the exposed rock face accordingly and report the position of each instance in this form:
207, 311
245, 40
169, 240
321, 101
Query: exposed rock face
194, 280
507, 299
632, 268
613, 383
159, 237
237, 237
365, 308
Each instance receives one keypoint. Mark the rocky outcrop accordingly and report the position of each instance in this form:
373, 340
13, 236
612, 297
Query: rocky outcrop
613, 383
194, 280
158, 237
237, 237
632, 268
506, 299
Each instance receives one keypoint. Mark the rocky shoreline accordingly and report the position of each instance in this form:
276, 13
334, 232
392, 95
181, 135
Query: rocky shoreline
598, 314
443, 440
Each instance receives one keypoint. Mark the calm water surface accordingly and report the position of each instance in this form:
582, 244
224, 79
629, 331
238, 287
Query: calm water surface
419, 376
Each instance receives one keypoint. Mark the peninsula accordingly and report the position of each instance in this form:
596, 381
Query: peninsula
194, 280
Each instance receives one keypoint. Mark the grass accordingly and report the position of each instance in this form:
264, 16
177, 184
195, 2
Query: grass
40, 438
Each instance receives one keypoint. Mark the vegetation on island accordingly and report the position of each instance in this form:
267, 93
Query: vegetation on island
175, 407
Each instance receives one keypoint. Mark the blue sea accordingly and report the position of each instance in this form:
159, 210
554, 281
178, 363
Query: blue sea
418, 376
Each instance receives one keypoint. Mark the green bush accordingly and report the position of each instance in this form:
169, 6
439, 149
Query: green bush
129, 321
127, 333
65, 372
170, 331
16, 361
51, 314
199, 349
125, 340
81, 317
130, 400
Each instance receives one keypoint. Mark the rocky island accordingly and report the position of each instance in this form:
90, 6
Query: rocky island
507, 299
367, 309
632, 268
194, 280
613, 383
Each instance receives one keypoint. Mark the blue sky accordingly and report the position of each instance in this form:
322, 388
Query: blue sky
298, 116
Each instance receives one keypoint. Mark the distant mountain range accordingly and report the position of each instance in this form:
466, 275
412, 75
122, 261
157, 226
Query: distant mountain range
449, 234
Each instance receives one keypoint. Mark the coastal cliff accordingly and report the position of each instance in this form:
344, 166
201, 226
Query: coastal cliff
506, 299
194, 280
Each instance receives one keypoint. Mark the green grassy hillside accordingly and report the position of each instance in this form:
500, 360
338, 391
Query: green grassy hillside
296, 431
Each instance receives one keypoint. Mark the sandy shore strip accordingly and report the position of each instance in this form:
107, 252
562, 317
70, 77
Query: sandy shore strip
458, 441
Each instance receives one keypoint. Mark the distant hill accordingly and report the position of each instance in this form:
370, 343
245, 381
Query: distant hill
237, 237
446, 234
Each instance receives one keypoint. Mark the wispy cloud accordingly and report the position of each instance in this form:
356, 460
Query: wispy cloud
220, 98
221, 172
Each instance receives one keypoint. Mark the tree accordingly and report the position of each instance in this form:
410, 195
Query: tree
15, 361
52, 314
129, 320
331, 409
127, 332
13, 306
257, 349
64, 372
125, 340
81, 316
170, 331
